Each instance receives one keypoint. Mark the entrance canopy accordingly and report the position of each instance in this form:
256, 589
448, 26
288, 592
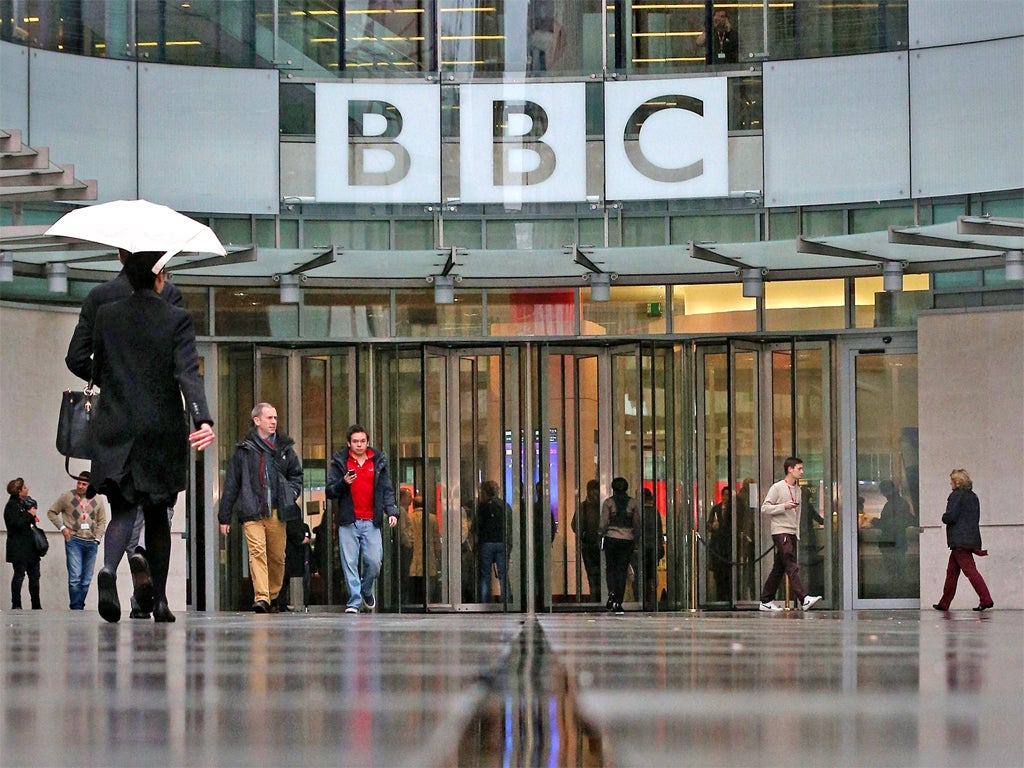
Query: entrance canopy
971, 242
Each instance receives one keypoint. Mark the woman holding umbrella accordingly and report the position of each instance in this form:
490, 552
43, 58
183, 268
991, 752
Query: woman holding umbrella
144, 360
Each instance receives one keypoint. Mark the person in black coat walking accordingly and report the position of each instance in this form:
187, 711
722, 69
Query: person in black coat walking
19, 517
963, 537
79, 355
144, 360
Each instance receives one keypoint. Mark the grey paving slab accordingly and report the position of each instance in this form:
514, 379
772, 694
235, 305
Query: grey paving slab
900, 688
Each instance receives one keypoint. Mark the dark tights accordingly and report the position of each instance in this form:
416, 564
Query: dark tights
158, 538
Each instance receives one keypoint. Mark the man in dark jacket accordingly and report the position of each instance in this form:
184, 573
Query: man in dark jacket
145, 361
262, 483
358, 478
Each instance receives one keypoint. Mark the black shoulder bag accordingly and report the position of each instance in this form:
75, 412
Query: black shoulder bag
74, 425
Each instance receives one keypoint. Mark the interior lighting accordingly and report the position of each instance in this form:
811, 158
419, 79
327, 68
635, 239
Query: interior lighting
892, 276
1015, 265
57, 277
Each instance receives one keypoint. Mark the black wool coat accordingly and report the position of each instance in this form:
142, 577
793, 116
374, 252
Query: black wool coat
144, 360
79, 356
21, 546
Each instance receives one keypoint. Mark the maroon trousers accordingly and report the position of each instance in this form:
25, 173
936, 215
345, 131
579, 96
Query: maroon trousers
785, 564
963, 560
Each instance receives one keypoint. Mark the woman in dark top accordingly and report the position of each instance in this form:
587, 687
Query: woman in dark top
19, 517
963, 537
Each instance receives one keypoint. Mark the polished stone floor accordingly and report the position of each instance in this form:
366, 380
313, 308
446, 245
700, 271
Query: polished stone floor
893, 688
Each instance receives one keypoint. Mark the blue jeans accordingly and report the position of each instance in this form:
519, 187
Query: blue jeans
81, 559
362, 548
492, 552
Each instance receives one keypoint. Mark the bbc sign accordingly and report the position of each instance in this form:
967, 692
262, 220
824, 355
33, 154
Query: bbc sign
521, 143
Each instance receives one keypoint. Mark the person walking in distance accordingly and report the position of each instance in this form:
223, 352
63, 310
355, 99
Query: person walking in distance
963, 537
620, 529
358, 477
262, 484
782, 504
81, 522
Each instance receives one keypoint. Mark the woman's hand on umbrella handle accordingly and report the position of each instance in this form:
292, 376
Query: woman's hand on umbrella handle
202, 437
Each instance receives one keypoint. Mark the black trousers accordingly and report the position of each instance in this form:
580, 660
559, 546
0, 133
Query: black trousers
617, 554
123, 515
21, 569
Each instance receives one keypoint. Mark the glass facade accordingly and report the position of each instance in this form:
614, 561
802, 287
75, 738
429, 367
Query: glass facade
399, 38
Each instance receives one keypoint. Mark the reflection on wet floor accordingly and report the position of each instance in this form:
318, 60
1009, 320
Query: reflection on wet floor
529, 716
906, 688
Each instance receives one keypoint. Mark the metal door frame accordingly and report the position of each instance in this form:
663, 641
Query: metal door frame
850, 348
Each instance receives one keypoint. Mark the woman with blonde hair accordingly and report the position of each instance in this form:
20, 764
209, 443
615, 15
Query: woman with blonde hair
963, 537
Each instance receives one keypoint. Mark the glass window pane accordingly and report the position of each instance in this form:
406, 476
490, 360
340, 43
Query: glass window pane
821, 223
335, 314
519, 312
727, 228
358, 235
465, 233
289, 233
746, 105
197, 302
416, 314
873, 307
414, 235
953, 280
803, 305
266, 233
887, 476
633, 309
472, 35
638, 231
386, 39
719, 308
543, 233
254, 312
297, 109
879, 219
782, 225
236, 231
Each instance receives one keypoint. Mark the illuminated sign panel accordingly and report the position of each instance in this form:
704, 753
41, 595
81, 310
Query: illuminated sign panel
666, 139
521, 142
378, 145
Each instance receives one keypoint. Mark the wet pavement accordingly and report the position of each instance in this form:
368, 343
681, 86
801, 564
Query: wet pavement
900, 688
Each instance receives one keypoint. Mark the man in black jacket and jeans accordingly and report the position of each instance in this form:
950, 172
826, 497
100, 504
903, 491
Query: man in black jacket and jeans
358, 478
263, 482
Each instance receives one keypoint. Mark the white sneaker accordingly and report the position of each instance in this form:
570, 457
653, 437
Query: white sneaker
770, 607
809, 600
351, 609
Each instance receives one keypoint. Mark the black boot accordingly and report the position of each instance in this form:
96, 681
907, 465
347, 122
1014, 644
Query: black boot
142, 582
161, 613
109, 605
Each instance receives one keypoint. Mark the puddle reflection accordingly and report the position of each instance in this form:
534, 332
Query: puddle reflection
530, 717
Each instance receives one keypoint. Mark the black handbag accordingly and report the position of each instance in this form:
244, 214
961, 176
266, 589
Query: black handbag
74, 424
42, 543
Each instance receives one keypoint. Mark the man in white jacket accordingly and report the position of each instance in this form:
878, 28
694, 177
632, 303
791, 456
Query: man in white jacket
782, 503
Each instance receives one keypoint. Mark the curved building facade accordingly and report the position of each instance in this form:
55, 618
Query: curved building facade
547, 244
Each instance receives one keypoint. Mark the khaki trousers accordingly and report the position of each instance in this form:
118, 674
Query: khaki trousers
266, 540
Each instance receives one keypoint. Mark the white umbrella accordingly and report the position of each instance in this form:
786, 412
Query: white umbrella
136, 226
